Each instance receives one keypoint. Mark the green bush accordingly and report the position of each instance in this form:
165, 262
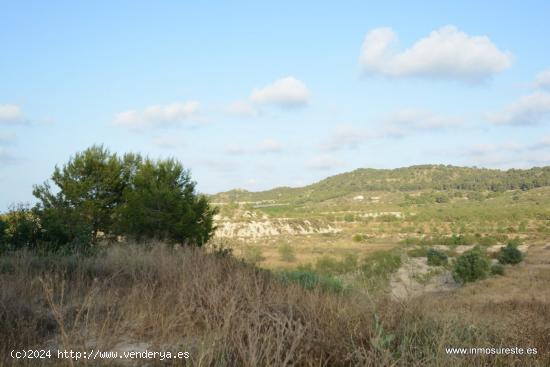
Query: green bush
286, 252
381, 264
359, 237
436, 258
510, 254
349, 217
308, 279
470, 266
497, 269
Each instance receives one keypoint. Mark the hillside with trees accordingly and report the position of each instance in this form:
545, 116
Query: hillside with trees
423, 177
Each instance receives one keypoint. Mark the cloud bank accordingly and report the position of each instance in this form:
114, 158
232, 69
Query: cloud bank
530, 110
10, 114
157, 115
284, 92
397, 125
542, 80
446, 53
407, 121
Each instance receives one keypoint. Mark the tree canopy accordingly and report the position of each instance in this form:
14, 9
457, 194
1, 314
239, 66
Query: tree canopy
160, 201
99, 194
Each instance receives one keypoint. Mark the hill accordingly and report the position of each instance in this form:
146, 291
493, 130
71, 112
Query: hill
407, 179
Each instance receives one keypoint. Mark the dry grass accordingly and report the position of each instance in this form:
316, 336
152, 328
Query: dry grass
516, 305
227, 313
307, 248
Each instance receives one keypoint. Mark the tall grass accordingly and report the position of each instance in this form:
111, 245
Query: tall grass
224, 312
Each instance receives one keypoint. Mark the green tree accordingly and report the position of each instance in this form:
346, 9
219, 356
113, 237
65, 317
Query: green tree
98, 193
161, 202
61, 226
20, 228
90, 187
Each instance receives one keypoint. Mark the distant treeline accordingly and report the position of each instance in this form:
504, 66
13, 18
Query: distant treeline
439, 178
422, 177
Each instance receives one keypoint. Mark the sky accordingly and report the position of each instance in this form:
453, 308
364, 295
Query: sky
255, 95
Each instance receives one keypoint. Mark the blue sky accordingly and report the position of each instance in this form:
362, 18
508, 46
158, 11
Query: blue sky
256, 95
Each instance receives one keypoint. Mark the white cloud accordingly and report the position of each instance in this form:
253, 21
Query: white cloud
397, 125
11, 114
242, 109
157, 115
323, 162
542, 80
410, 119
346, 136
269, 146
533, 109
446, 53
285, 92
7, 138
